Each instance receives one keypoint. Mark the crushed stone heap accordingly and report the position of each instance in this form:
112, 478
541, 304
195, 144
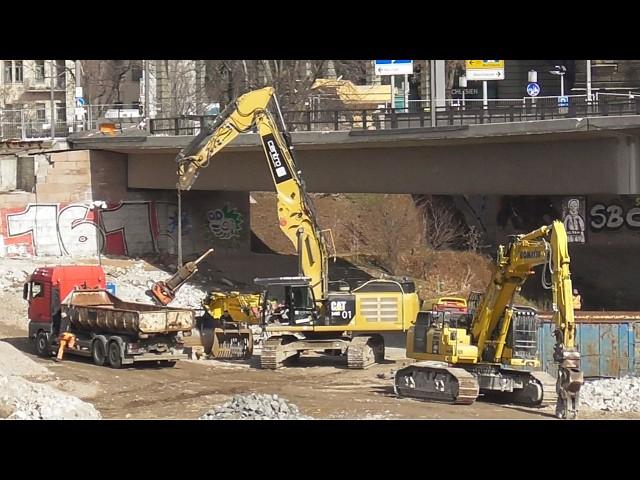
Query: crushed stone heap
612, 394
255, 407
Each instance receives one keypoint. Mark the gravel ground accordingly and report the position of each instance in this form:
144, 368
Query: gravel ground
256, 407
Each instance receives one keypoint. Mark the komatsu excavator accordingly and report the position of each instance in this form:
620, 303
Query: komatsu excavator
493, 348
300, 313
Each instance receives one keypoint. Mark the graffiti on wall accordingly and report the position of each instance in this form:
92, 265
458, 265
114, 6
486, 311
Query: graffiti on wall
129, 228
126, 228
573, 215
614, 215
225, 223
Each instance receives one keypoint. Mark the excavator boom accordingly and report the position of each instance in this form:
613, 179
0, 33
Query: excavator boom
295, 210
488, 347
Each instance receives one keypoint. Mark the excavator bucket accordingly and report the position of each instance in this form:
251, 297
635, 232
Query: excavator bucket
232, 343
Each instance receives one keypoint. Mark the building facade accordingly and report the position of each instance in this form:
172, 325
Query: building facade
27, 89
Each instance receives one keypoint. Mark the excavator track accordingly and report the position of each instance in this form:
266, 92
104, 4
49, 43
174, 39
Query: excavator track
548, 383
436, 382
363, 352
272, 356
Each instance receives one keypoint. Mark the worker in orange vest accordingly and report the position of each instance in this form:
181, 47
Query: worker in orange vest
66, 339
577, 300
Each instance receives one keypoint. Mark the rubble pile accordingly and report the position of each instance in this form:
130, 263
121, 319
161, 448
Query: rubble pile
24, 400
14, 362
612, 394
255, 407
21, 399
12, 277
134, 281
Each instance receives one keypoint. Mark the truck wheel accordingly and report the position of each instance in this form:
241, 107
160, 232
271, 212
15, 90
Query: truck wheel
42, 344
115, 355
99, 351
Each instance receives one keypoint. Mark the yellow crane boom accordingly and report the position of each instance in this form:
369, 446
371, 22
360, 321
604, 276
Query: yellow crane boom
295, 211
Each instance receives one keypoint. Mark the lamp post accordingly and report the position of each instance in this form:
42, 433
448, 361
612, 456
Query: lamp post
53, 77
589, 81
462, 83
96, 206
560, 70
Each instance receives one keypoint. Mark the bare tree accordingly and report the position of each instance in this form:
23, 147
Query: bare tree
443, 229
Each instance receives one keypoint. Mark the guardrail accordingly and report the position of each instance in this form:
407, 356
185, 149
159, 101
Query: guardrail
451, 112
32, 123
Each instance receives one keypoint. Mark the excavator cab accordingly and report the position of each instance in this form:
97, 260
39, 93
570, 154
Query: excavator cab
288, 301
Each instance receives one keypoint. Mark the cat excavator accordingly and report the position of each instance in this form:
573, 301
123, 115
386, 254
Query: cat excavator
492, 348
300, 313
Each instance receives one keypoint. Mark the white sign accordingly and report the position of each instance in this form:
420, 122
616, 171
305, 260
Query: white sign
122, 113
79, 92
393, 67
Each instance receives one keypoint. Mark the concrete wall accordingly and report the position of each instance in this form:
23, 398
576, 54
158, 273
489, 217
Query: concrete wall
8, 168
604, 259
594, 165
58, 219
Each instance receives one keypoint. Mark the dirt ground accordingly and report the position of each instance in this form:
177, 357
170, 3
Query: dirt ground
321, 387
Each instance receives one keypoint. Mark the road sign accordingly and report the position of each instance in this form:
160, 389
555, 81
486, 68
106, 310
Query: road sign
393, 67
80, 102
484, 69
533, 89
563, 101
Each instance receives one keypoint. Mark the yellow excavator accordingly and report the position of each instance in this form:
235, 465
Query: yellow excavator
492, 349
301, 313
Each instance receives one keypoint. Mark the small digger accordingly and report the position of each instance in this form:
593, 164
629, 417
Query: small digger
223, 329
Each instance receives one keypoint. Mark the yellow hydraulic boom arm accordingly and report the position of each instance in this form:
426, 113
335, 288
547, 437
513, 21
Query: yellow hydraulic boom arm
491, 320
295, 209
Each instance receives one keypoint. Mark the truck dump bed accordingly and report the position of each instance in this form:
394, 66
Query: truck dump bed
98, 310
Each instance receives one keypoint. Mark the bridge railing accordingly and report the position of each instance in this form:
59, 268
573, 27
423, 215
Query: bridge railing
449, 112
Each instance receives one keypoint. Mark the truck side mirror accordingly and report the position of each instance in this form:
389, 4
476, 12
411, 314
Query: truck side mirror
25, 291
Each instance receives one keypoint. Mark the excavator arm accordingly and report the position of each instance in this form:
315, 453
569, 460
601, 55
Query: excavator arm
295, 210
491, 320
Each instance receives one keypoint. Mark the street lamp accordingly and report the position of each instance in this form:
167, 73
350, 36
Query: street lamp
53, 103
560, 70
462, 83
96, 206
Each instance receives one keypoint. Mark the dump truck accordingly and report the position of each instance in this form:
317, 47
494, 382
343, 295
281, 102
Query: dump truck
73, 298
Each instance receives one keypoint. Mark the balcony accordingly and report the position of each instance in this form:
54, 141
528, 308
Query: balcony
34, 85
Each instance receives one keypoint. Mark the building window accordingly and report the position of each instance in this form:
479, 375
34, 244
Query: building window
41, 112
8, 69
61, 113
17, 69
39, 71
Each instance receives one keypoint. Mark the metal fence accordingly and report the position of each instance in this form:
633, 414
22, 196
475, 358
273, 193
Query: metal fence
31, 123
449, 112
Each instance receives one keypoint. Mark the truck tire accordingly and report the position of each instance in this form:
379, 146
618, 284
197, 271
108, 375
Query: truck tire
115, 354
99, 351
42, 344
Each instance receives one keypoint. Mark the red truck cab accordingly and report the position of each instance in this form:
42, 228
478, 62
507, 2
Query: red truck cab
48, 286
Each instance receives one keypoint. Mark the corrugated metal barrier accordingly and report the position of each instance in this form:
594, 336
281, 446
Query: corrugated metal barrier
607, 349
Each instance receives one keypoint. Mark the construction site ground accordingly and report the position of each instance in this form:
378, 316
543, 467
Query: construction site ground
320, 386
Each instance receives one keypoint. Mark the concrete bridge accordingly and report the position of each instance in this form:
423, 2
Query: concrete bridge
575, 156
